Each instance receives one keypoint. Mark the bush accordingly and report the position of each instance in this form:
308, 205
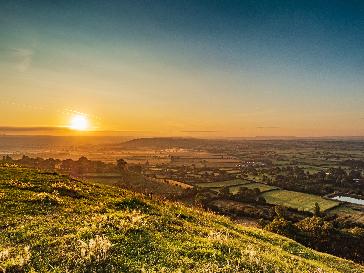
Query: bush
315, 227
134, 204
281, 226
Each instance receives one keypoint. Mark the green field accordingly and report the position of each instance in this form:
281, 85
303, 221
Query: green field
262, 187
52, 223
221, 184
298, 200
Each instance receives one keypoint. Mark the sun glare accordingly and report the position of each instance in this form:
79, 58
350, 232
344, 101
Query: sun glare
79, 123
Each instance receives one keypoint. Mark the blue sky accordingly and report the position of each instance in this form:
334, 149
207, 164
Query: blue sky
235, 68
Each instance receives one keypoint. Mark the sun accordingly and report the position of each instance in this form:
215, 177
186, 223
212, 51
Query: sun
79, 123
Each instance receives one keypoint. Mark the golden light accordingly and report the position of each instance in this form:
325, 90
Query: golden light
79, 123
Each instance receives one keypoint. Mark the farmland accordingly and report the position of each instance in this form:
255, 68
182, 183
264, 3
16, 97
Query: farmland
203, 163
298, 200
221, 184
292, 174
275, 196
293, 177
260, 186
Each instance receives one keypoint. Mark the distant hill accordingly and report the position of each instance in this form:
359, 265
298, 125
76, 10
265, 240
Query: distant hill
166, 142
52, 223
222, 144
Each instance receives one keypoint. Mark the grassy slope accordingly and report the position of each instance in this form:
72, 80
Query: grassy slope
49, 223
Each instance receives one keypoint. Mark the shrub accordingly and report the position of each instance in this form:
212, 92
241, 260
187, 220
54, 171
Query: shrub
281, 226
357, 231
67, 190
133, 204
315, 227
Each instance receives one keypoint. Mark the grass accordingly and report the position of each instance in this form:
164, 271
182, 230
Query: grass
298, 200
262, 187
221, 184
51, 223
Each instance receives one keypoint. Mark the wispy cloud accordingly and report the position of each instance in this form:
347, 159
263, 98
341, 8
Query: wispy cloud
5, 129
64, 130
23, 58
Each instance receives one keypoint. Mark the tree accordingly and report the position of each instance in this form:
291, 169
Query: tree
317, 210
82, 165
135, 168
280, 211
225, 192
121, 164
261, 200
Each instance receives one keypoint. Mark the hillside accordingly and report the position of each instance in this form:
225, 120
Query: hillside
52, 223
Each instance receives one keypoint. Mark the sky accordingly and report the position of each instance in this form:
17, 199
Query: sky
183, 68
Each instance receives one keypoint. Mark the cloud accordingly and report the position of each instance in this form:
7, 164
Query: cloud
23, 58
5, 129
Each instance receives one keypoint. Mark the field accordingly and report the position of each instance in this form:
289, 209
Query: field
298, 200
350, 212
52, 223
221, 184
274, 195
260, 186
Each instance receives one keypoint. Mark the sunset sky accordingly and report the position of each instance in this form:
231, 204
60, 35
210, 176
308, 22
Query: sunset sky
183, 68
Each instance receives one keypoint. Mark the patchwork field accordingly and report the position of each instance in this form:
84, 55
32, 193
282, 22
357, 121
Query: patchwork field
276, 196
260, 186
298, 200
221, 184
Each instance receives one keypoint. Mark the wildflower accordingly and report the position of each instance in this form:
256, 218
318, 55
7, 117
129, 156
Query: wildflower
24, 258
14, 258
95, 249
4, 254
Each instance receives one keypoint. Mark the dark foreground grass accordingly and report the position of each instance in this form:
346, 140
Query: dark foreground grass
51, 223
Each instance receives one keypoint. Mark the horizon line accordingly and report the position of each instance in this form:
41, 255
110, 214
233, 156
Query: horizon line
79, 134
